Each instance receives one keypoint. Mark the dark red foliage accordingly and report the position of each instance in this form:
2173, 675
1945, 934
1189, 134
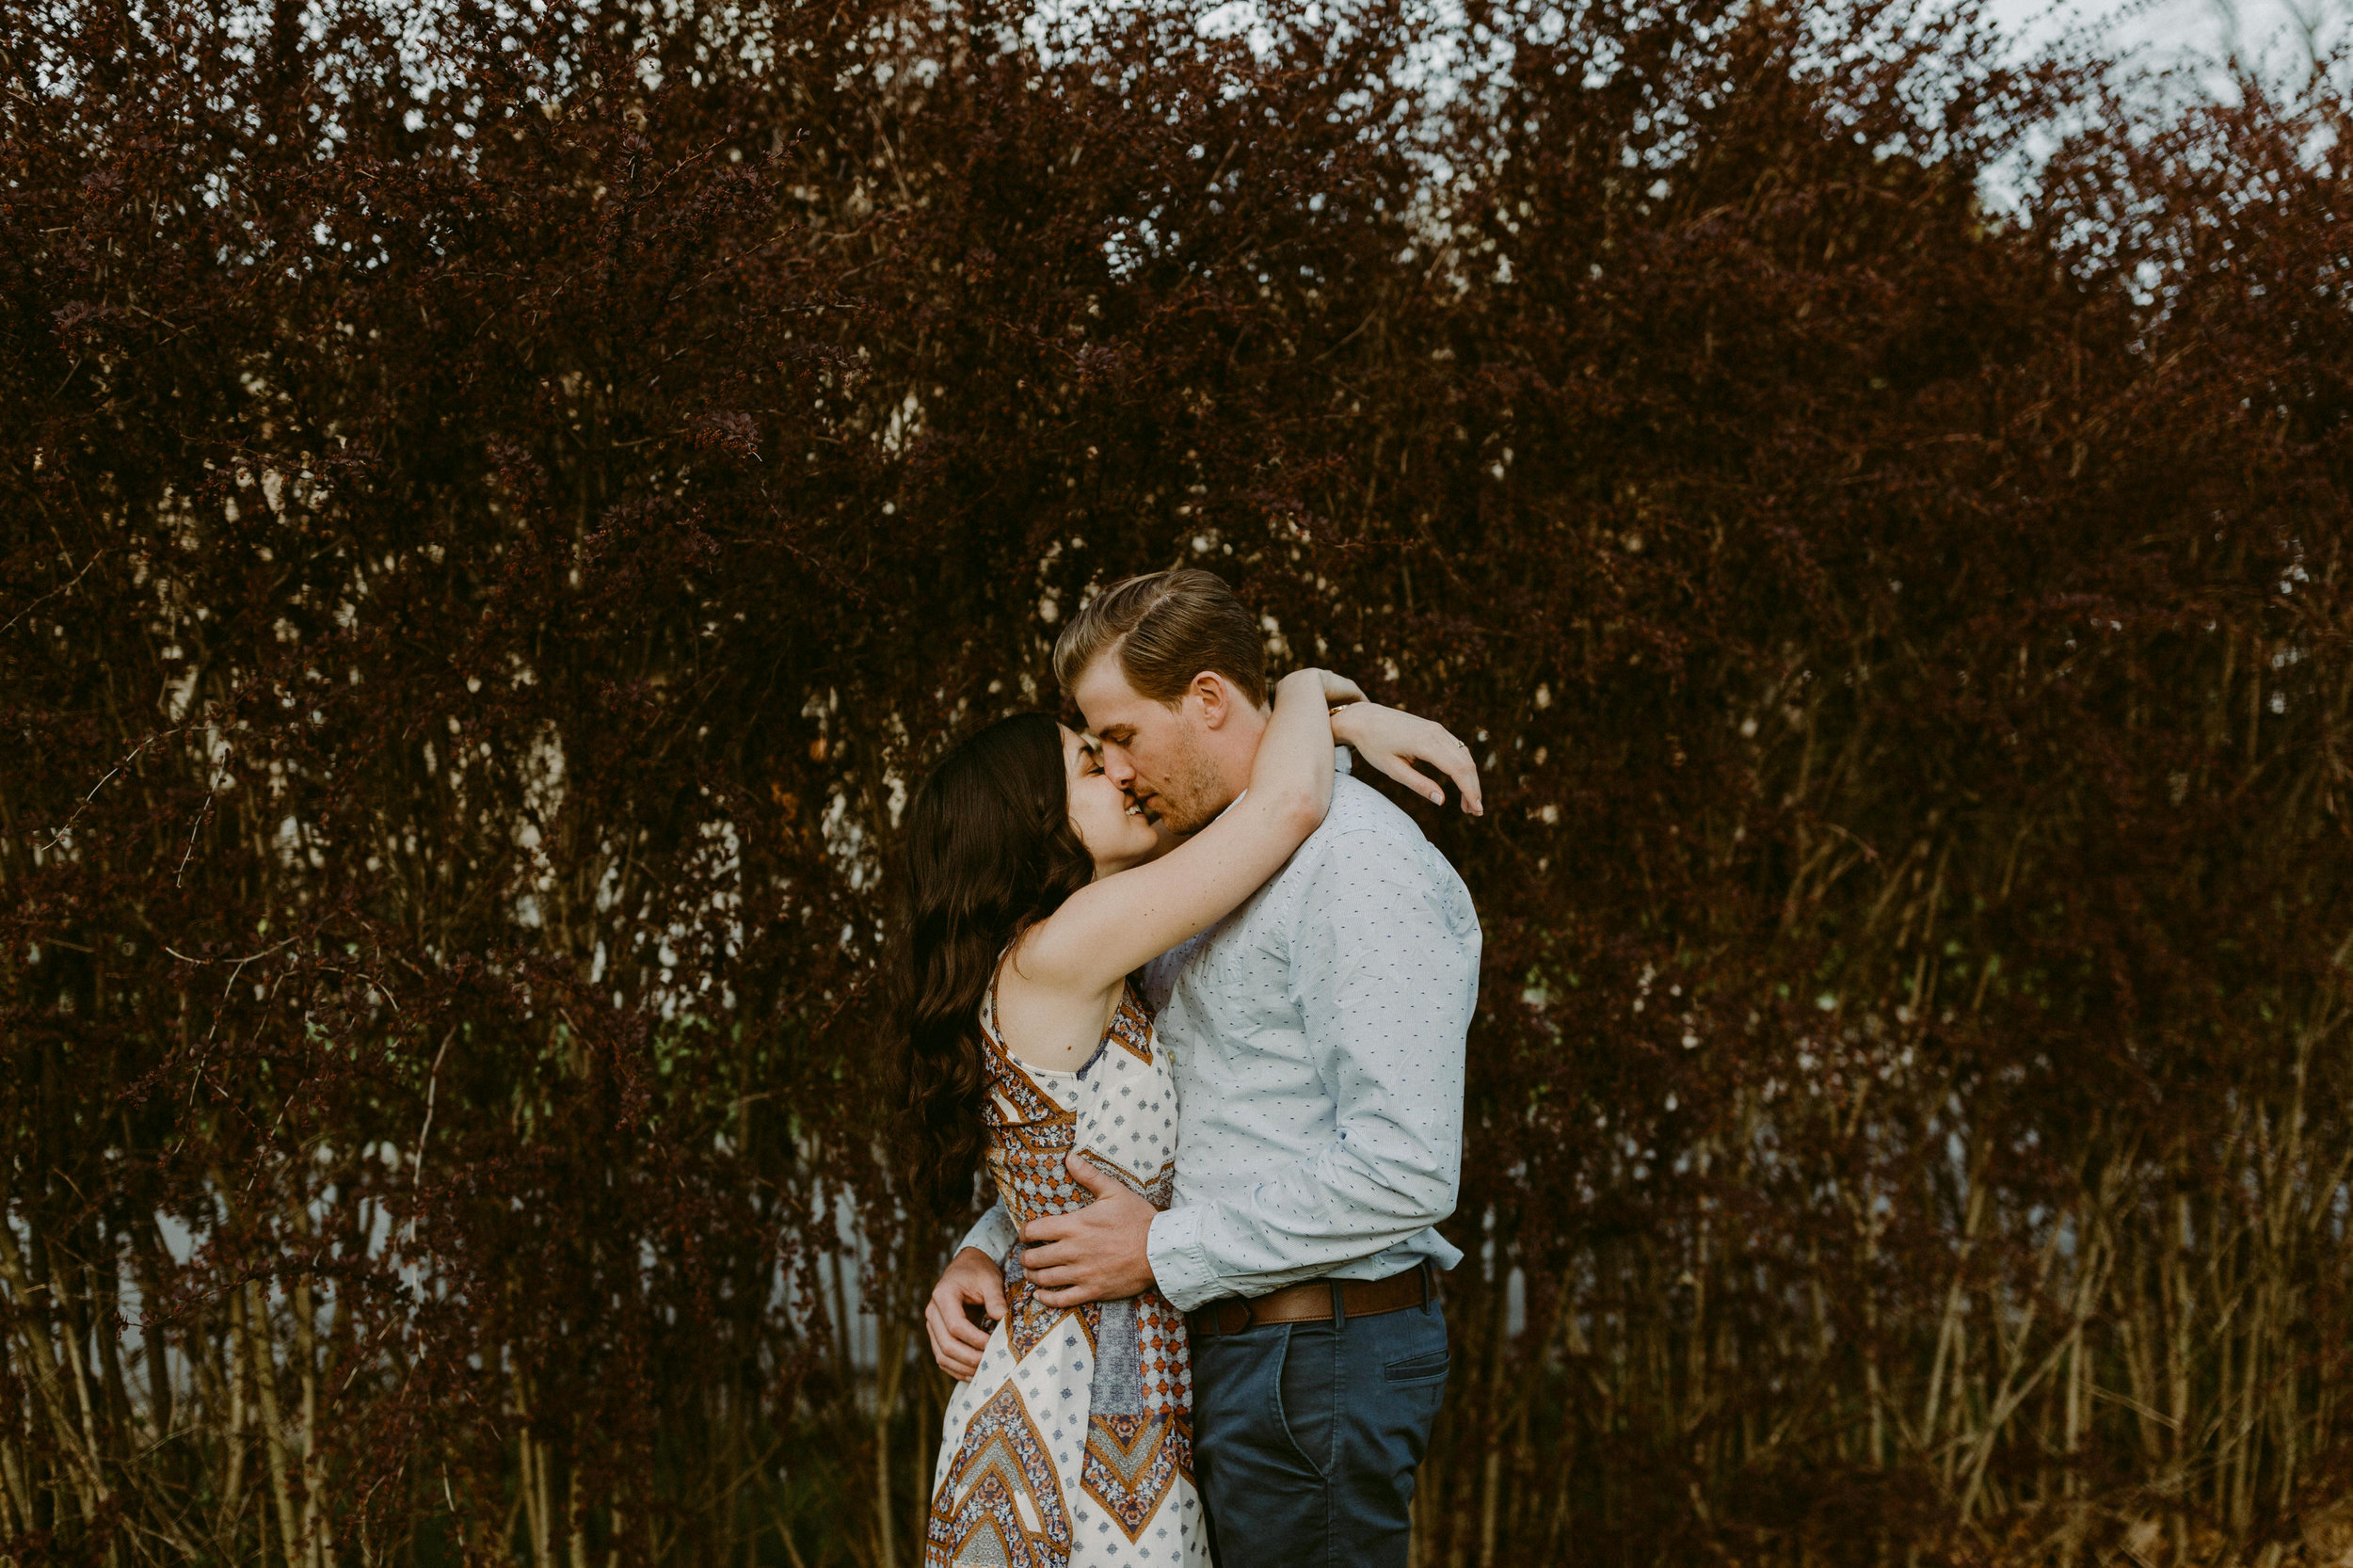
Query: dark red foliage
499, 504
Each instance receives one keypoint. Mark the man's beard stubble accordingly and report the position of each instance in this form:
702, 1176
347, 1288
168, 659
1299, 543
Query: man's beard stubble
1191, 797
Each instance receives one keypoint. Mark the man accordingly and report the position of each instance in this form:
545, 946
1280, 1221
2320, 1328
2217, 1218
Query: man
1316, 1037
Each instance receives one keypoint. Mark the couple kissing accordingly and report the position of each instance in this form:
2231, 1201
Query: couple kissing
1197, 1001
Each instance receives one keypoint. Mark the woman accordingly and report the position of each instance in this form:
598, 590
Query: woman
1036, 888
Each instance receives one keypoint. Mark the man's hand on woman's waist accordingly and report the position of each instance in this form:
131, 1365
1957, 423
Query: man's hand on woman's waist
1096, 1253
973, 1280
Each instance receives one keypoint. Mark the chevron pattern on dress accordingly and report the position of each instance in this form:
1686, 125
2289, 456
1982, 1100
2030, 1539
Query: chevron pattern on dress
977, 1518
1131, 1461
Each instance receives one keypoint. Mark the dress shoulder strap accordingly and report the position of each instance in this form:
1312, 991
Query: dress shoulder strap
1015, 1097
991, 1031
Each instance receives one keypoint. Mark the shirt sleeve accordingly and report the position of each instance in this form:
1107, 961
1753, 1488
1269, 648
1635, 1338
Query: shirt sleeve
1385, 975
994, 1234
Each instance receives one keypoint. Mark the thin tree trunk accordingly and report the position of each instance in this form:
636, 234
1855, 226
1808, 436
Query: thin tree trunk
264, 1363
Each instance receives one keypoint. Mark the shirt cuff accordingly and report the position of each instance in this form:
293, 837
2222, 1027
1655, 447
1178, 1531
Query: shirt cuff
1180, 1265
994, 1234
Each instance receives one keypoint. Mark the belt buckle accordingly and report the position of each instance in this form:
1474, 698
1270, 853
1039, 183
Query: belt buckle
1242, 1303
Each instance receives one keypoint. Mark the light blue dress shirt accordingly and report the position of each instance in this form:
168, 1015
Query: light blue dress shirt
1317, 1038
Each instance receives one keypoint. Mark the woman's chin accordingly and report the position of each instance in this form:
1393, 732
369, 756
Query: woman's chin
1129, 858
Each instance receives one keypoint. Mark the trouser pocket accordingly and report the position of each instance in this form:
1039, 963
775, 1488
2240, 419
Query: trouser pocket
1268, 1504
1307, 1394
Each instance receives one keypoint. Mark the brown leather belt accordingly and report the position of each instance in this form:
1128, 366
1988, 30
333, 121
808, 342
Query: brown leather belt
1312, 1303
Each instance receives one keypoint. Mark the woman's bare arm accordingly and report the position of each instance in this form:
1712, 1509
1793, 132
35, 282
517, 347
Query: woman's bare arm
1393, 740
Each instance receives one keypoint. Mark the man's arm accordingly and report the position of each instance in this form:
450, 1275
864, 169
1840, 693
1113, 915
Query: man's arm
1385, 974
992, 1234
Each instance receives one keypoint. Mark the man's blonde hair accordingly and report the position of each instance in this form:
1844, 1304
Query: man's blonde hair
1166, 628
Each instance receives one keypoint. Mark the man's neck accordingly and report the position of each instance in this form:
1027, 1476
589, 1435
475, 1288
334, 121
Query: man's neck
1234, 751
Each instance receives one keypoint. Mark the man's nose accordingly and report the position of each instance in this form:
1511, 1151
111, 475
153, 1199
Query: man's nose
1118, 766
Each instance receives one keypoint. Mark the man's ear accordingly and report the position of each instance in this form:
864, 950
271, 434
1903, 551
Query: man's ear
1217, 702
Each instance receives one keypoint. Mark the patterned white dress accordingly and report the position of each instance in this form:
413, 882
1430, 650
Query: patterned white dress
1072, 1446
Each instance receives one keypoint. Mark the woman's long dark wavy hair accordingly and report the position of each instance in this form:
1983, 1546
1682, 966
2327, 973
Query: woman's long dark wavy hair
990, 851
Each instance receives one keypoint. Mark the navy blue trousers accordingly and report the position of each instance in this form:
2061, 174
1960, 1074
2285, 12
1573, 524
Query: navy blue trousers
1306, 1436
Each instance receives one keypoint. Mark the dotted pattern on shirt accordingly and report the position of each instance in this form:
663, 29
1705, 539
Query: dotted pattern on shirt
1366, 895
